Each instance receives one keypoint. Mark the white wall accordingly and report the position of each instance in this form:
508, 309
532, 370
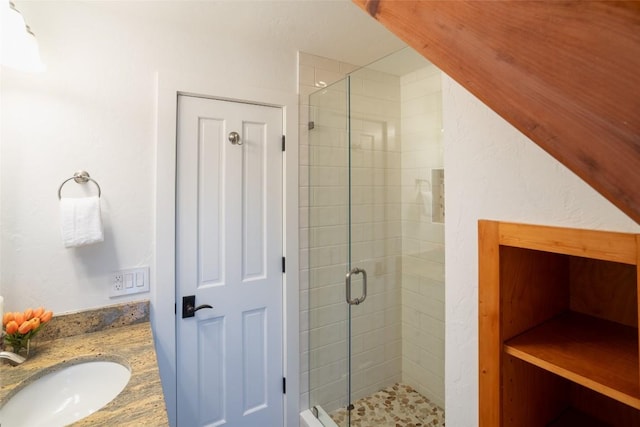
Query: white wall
494, 172
94, 109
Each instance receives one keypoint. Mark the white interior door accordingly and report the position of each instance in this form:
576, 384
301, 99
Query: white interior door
229, 255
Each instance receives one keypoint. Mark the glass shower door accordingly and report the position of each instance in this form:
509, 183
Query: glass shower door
375, 193
337, 281
375, 244
354, 246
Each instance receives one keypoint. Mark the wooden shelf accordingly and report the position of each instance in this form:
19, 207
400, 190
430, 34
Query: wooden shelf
598, 354
558, 326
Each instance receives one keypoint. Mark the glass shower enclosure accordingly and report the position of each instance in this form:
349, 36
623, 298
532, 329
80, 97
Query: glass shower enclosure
376, 236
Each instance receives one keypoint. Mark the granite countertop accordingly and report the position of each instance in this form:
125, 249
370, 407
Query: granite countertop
140, 403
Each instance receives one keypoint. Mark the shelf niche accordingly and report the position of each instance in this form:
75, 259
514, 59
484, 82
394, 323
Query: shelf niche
558, 326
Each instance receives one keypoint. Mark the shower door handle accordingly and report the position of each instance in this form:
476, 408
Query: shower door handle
361, 299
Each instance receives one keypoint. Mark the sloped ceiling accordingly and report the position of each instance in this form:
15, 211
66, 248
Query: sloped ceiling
563, 73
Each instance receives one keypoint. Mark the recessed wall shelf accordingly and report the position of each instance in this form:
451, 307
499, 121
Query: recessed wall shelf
558, 326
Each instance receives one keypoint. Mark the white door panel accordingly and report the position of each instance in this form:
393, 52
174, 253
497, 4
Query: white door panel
229, 251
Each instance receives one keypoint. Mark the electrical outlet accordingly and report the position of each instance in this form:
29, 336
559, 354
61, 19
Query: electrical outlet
118, 283
130, 281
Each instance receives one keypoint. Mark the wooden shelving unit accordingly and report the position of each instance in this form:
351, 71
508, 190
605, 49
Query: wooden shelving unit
558, 326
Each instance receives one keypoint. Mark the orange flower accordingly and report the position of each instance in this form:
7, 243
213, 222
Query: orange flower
19, 318
35, 323
46, 316
21, 327
25, 327
38, 312
11, 326
7, 318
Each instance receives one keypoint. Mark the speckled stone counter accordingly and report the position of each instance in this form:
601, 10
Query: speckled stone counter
127, 341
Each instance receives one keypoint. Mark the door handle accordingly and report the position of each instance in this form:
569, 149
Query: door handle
361, 299
188, 306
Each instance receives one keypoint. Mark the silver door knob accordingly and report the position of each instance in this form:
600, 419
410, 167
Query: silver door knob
234, 138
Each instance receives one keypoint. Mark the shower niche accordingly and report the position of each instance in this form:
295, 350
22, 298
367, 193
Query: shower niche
376, 238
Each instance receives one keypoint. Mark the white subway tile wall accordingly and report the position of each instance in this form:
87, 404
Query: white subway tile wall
391, 339
422, 239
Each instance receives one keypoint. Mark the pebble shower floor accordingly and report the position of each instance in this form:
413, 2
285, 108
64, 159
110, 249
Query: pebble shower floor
395, 406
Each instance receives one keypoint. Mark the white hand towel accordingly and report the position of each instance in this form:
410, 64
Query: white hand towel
80, 221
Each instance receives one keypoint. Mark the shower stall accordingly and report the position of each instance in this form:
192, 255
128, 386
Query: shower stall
376, 246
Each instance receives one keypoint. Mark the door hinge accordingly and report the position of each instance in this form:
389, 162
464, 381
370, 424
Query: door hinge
312, 125
284, 385
284, 264
175, 308
283, 142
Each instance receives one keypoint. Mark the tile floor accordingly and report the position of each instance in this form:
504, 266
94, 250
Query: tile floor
396, 406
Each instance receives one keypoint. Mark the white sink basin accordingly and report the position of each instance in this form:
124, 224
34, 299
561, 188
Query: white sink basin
67, 394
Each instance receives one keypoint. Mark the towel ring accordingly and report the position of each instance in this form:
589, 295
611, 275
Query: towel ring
81, 177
